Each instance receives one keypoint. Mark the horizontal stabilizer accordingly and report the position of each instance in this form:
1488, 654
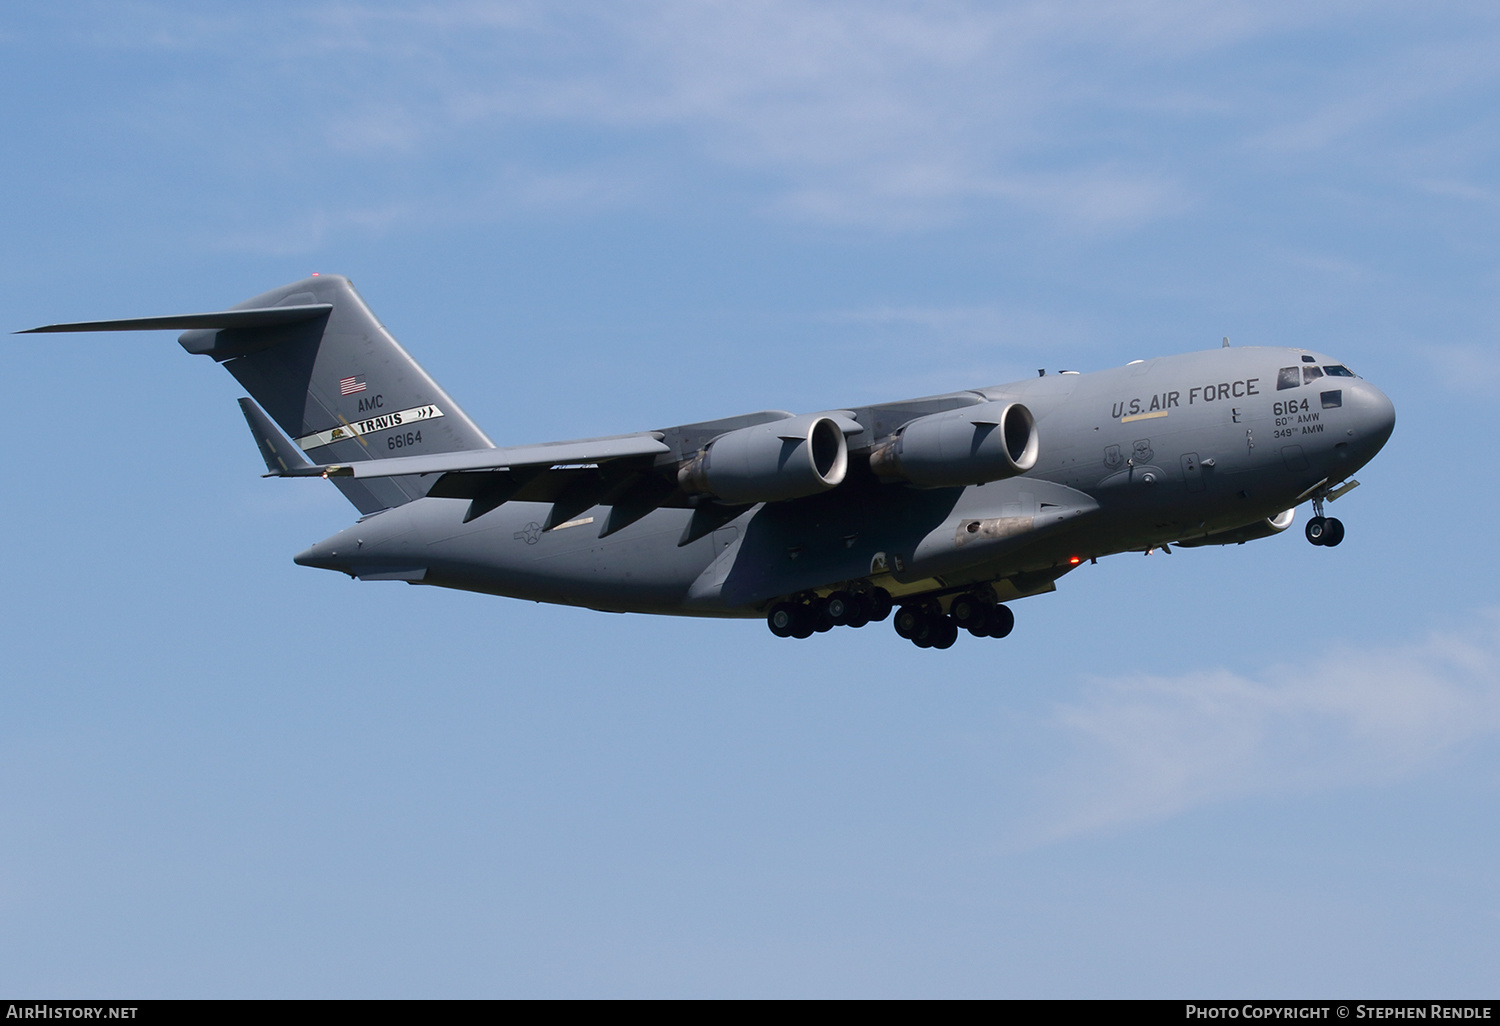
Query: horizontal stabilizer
263, 317
589, 450
280, 454
324, 373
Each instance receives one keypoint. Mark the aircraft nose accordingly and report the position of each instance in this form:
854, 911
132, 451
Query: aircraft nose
1373, 420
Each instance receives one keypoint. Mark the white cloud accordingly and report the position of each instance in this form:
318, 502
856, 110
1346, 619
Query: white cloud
882, 113
1091, 115
886, 113
1146, 748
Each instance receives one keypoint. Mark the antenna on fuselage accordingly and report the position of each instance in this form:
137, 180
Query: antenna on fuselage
1226, 343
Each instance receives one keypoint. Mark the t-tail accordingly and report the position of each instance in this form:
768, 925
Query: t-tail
331, 377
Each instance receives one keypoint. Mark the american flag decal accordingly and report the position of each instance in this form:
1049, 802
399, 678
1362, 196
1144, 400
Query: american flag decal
348, 386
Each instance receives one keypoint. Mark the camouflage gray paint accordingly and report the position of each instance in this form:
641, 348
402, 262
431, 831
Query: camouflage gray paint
1032, 478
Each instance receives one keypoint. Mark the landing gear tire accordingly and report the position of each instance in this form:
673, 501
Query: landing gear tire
782, 619
944, 632
924, 636
909, 619
969, 612
805, 623
1002, 622
839, 608
878, 604
1317, 531
1333, 531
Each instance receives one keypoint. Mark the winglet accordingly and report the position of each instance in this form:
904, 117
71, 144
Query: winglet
281, 456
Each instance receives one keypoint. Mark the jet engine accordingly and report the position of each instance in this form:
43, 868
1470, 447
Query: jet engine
785, 459
986, 442
1247, 532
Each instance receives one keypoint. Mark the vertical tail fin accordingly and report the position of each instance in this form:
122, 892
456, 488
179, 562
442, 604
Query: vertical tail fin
339, 385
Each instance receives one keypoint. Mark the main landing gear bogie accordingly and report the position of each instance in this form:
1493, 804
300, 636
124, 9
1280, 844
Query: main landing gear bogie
925, 624
921, 622
814, 615
981, 616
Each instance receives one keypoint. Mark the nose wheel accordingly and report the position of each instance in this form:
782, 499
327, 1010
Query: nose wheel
1323, 530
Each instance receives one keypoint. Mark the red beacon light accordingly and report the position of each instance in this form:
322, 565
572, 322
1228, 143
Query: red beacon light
1074, 560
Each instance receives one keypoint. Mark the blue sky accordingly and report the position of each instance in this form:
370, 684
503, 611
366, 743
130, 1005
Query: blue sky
1267, 770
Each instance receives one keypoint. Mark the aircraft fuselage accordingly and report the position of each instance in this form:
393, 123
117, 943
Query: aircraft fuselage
1155, 452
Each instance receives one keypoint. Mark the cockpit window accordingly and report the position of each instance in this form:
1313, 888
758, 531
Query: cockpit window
1289, 377
1338, 371
1310, 374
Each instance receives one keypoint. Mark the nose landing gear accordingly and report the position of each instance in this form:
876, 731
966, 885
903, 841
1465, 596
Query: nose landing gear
1323, 530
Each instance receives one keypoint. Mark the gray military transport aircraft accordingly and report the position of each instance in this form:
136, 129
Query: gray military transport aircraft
942, 508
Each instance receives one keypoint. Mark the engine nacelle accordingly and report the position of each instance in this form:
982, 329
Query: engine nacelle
986, 442
785, 459
1248, 532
